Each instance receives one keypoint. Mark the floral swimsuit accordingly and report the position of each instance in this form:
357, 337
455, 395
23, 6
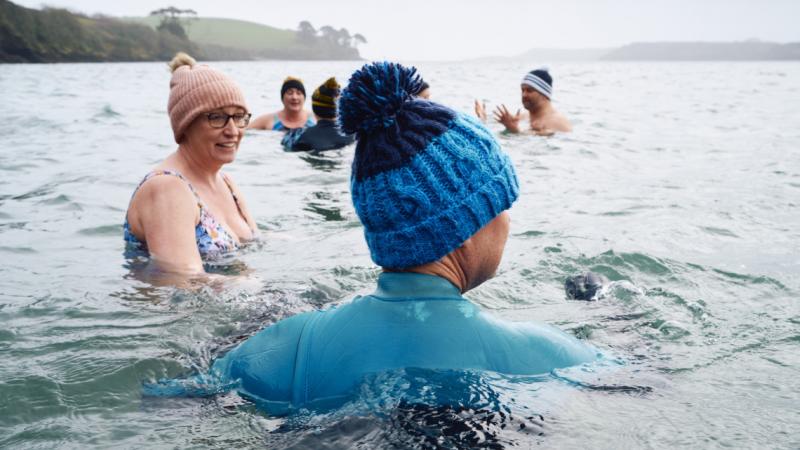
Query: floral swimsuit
212, 238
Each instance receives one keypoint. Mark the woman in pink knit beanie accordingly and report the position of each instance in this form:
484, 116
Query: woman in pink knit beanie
186, 210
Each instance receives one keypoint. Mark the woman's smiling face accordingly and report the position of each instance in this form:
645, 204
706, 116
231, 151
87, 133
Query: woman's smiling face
293, 99
217, 145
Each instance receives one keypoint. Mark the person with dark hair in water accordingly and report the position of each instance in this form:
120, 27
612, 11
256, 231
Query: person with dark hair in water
325, 134
431, 188
293, 97
586, 286
424, 91
540, 115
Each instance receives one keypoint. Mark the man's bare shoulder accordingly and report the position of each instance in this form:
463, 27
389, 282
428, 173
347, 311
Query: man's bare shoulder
552, 123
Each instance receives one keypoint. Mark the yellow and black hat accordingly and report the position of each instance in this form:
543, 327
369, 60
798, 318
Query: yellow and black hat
323, 101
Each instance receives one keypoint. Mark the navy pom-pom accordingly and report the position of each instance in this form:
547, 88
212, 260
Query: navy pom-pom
375, 94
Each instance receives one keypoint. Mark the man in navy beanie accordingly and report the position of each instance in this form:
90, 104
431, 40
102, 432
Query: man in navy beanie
431, 188
540, 115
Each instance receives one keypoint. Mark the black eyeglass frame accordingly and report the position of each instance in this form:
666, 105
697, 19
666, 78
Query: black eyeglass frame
245, 117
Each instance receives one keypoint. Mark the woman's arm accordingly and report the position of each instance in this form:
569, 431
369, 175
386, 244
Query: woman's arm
165, 213
263, 122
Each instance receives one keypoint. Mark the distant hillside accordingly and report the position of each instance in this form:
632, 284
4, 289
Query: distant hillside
563, 54
664, 51
705, 51
239, 39
545, 56
57, 35
228, 32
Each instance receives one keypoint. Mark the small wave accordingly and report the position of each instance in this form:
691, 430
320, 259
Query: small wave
18, 250
616, 213
107, 111
719, 231
103, 230
530, 233
750, 279
327, 212
17, 167
636, 261
30, 399
13, 226
38, 192
613, 388
7, 335
670, 330
61, 199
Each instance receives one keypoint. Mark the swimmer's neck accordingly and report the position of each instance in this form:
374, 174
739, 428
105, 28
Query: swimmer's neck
197, 169
541, 110
449, 268
321, 119
290, 116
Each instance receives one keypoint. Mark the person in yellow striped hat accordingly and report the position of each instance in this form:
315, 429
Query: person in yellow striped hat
325, 135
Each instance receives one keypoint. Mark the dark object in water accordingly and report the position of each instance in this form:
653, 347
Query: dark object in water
584, 286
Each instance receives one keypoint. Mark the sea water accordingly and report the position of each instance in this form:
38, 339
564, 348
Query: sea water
680, 183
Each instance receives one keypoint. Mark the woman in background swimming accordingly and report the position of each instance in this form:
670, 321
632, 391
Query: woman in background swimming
424, 91
186, 210
293, 97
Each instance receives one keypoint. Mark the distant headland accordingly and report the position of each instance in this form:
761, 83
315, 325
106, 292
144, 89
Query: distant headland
750, 50
58, 35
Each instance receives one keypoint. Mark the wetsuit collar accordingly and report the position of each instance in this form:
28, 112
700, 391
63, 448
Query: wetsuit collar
326, 122
395, 285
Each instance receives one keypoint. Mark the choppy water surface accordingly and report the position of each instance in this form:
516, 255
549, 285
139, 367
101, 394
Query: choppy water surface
681, 183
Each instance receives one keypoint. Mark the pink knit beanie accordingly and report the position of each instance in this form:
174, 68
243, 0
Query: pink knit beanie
195, 89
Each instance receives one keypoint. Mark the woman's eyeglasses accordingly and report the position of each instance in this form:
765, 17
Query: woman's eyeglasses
220, 120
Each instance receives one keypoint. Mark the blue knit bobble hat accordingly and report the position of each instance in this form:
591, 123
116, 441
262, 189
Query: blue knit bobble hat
425, 178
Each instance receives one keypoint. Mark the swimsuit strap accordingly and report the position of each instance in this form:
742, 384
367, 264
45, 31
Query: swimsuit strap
277, 125
194, 192
174, 173
235, 198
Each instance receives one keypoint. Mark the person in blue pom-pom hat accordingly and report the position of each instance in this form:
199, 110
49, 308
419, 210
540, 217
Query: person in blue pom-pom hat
432, 188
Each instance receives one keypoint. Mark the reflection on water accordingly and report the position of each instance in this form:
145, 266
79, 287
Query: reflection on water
417, 409
683, 199
329, 161
324, 205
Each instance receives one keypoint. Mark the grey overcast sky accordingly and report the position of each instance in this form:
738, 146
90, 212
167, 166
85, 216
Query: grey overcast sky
461, 29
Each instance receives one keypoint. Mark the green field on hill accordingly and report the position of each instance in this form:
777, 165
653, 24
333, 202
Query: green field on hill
232, 33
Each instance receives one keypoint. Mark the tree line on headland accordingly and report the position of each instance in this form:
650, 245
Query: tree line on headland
58, 35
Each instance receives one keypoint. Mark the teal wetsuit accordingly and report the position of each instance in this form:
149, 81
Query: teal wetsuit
317, 359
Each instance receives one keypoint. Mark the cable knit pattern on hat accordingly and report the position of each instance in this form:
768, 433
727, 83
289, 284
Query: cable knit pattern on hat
196, 89
425, 178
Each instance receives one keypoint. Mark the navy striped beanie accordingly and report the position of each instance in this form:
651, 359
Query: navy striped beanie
424, 178
540, 80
